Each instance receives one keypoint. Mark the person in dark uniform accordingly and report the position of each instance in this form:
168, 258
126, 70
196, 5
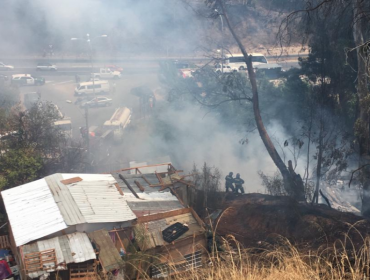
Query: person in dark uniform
238, 184
229, 182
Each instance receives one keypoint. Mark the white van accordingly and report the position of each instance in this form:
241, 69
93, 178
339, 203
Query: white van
237, 61
98, 87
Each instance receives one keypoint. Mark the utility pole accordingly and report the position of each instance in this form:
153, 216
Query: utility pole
88, 40
222, 41
87, 131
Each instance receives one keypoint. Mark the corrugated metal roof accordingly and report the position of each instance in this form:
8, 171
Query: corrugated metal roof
98, 199
150, 201
32, 211
62, 196
70, 248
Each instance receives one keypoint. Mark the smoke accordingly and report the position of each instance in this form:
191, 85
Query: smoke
153, 26
190, 134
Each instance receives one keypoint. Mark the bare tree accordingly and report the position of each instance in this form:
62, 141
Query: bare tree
293, 182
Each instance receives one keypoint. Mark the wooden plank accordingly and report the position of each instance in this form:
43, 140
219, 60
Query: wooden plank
164, 215
71, 180
146, 180
4, 242
128, 185
108, 254
138, 167
141, 188
118, 189
199, 220
43, 260
183, 218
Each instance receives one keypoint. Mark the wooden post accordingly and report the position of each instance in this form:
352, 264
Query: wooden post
128, 185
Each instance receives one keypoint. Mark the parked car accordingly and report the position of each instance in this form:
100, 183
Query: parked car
46, 66
181, 64
3, 77
6, 67
114, 68
227, 68
27, 80
98, 102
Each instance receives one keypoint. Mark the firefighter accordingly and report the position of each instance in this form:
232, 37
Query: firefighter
229, 182
238, 184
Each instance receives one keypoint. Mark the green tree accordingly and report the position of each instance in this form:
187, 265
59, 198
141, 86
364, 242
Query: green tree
19, 166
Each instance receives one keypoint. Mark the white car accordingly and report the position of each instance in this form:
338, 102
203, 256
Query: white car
6, 67
46, 66
106, 73
98, 102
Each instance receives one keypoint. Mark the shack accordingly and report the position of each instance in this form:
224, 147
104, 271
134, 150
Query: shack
62, 205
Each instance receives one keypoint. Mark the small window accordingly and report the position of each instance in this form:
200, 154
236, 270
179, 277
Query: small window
97, 86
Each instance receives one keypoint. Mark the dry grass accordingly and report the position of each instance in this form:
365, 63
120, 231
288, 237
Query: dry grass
282, 262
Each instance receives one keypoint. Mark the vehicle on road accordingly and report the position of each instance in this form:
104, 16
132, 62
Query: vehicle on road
237, 61
269, 70
4, 77
186, 73
46, 66
98, 102
106, 73
64, 124
114, 68
118, 123
30, 99
6, 67
227, 68
181, 64
27, 80
97, 87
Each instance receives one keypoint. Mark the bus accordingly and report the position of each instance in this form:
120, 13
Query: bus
237, 61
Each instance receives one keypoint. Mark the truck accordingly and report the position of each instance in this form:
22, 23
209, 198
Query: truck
64, 123
106, 73
119, 121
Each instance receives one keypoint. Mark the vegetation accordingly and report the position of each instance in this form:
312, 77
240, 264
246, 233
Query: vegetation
279, 261
31, 145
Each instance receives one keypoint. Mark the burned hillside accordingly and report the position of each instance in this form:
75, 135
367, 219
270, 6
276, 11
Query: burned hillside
257, 218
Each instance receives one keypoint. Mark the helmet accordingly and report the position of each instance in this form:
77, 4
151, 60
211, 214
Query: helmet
237, 175
231, 173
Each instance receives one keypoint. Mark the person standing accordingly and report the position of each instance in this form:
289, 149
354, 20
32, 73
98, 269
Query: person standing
229, 180
238, 184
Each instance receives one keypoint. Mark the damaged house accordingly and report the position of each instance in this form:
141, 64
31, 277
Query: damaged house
84, 224
62, 209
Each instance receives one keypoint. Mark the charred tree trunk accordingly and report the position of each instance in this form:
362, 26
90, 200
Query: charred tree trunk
362, 130
319, 163
293, 189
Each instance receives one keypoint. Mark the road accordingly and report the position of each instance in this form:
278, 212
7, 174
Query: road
59, 89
